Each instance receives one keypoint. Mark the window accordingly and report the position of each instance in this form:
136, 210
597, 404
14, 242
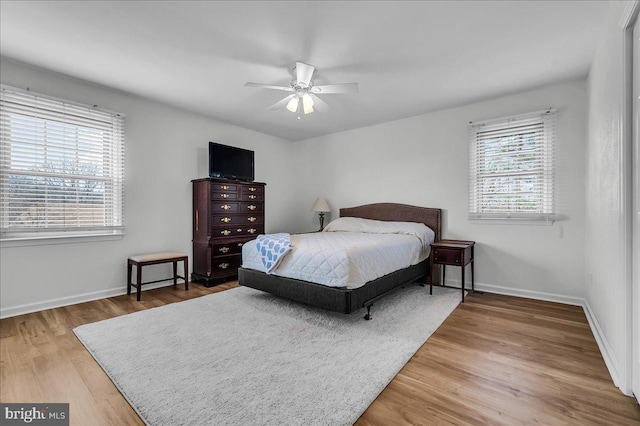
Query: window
511, 168
62, 168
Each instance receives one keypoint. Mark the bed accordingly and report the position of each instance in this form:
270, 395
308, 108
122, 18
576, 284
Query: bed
343, 299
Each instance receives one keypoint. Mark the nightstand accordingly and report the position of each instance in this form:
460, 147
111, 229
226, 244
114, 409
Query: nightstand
451, 252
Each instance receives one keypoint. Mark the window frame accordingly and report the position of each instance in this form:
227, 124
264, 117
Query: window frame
43, 110
542, 175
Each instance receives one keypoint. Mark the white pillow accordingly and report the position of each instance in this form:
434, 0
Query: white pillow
356, 224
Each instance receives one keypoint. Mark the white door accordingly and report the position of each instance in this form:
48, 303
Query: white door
636, 213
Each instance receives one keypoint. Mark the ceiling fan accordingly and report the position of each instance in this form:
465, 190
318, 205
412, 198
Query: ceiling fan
303, 89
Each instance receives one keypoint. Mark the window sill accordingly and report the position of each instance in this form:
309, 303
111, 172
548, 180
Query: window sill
512, 222
59, 239
541, 220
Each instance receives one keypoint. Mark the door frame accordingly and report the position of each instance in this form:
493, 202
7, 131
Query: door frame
631, 197
635, 250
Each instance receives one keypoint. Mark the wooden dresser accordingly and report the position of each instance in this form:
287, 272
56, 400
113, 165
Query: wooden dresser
226, 214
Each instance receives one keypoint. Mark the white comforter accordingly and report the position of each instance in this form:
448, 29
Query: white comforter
348, 254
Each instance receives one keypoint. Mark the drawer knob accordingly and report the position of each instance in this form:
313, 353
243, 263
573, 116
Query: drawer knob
252, 207
225, 207
252, 197
251, 230
240, 244
225, 232
224, 265
457, 260
223, 249
224, 195
224, 187
252, 189
239, 230
225, 219
252, 219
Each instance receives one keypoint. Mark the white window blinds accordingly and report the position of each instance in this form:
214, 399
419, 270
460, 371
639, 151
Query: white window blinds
511, 167
62, 168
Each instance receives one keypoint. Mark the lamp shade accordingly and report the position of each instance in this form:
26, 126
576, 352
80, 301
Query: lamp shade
307, 103
293, 104
320, 205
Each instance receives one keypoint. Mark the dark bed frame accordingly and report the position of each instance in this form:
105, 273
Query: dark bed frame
349, 300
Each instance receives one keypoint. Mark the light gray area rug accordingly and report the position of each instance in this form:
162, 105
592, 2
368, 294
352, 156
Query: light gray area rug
243, 357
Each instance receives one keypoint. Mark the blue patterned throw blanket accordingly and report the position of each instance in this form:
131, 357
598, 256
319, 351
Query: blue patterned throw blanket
272, 249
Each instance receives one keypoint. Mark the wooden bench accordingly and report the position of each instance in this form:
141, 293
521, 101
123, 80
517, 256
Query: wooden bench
154, 259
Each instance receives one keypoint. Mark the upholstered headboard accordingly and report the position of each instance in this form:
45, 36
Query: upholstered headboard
398, 213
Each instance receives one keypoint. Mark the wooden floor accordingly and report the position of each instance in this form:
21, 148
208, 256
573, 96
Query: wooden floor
497, 360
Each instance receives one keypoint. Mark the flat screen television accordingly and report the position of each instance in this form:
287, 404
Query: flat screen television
230, 162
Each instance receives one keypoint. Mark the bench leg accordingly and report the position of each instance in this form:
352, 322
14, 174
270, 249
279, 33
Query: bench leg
186, 273
129, 266
175, 273
139, 276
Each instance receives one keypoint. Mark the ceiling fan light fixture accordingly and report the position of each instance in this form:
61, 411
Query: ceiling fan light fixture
293, 104
307, 103
303, 88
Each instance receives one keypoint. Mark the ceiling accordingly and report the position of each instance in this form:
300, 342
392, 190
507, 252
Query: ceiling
409, 58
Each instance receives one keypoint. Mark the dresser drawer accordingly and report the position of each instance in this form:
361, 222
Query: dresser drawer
235, 231
226, 263
255, 219
232, 196
224, 207
224, 187
230, 247
250, 189
256, 208
446, 256
248, 196
227, 220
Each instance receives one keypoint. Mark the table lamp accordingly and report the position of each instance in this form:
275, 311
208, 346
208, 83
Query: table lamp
321, 206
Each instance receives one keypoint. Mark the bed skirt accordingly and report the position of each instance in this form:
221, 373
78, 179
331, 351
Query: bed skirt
331, 298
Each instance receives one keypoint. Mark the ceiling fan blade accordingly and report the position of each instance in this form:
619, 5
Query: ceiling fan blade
319, 104
304, 72
335, 88
280, 104
268, 86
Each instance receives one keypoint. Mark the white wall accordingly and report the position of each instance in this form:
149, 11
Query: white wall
165, 149
424, 161
605, 235
421, 160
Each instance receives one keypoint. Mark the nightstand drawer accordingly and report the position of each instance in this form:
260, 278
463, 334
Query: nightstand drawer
446, 256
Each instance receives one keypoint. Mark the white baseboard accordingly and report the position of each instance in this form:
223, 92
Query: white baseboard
28, 308
605, 349
610, 359
530, 294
